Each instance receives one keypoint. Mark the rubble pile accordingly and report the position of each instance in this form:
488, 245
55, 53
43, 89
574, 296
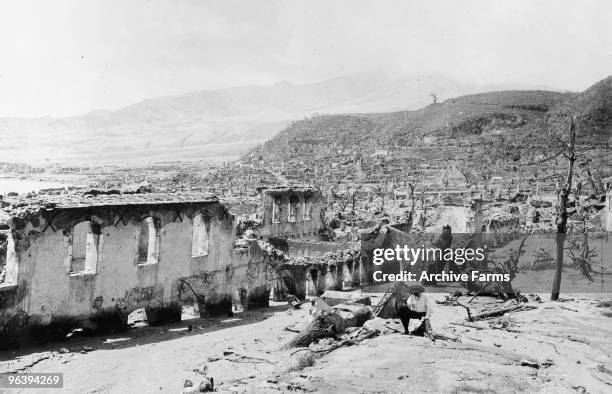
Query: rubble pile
243, 243
350, 255
24, 206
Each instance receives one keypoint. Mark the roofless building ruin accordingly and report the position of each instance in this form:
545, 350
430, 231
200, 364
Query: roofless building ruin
71, 259
89, 260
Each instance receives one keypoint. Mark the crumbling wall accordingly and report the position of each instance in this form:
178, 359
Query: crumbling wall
500, 228
297, 200
389, 237
49, 299
312, 276
312, 248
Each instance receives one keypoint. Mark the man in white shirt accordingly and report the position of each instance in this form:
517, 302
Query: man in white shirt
416, 306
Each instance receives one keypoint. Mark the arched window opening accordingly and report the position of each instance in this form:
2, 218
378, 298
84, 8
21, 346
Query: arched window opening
84, 244
292, 208
276, 210
199, 242
148, 241
307, 209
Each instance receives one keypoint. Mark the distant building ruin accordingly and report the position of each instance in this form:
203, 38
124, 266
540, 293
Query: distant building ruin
89, 260
291, 212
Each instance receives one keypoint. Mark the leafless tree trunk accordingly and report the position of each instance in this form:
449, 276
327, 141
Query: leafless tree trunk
562, 197
412, 198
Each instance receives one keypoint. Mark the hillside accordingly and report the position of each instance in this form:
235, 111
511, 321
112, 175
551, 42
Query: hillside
593, 107
505, 133
471, 114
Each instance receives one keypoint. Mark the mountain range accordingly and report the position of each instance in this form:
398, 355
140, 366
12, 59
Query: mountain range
210, 125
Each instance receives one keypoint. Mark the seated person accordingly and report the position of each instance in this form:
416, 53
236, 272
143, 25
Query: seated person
416, 306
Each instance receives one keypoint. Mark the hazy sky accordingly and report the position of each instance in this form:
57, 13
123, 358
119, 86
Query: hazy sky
68, 57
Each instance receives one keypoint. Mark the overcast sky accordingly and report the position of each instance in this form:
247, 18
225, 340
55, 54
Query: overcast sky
62, 58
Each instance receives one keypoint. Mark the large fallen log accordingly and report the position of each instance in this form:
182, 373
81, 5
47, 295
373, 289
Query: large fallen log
320, 327
343, 316
330, 322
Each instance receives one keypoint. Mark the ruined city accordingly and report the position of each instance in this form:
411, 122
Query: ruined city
329, 237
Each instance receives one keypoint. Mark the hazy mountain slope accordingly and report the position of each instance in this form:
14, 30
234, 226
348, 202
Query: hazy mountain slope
208, 124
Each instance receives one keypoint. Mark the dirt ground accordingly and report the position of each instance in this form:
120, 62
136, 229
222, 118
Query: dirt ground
570, 340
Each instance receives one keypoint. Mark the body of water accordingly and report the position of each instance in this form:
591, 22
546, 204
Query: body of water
26, 185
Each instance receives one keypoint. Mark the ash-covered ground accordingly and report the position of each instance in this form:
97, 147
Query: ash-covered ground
557, 347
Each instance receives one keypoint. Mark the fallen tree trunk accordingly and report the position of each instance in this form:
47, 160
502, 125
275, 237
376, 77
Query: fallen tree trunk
331, 322
319, 328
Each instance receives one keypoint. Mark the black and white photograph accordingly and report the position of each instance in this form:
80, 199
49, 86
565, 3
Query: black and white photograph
306, 196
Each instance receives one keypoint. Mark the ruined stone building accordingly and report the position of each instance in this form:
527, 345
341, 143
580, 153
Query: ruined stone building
89, 260
291, 212
73, 259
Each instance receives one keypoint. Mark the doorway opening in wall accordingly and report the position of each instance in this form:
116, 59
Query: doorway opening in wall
84, 244
8, 259
311, 283
148, 241
238, 298
190, 312
138, 318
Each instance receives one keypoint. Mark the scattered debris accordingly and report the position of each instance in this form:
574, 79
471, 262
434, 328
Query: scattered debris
455, 301
469, 325
206, 385
535, 364
509, 306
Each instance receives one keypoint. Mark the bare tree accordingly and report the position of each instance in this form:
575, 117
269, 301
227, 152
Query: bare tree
412, 197
594, 181
563, 192
434, 97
